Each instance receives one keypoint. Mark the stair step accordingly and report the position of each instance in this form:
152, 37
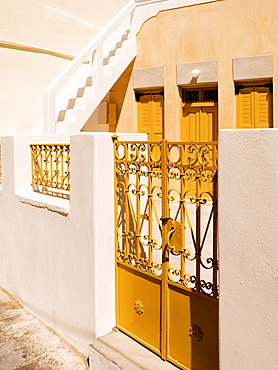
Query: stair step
89, 92
115, 37
114, 60
118, 50
61, 115
72, 115
82, 103
107, 70
68, 98
116, 351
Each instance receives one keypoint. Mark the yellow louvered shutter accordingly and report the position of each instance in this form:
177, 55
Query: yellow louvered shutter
150, 115
254, 107
144, 113
157, 117
244, 108
263, 105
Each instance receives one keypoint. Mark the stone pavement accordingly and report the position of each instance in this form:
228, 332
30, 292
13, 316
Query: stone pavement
28, 344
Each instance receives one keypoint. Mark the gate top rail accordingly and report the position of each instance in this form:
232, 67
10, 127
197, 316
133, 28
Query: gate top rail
179, 154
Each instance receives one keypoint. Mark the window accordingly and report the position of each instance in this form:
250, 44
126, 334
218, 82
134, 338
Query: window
204, 95
199, 121
254, 105
150, 114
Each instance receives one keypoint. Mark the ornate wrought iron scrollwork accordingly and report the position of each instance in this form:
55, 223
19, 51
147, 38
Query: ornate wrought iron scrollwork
175, 238
138, 307
195, 333
181, 176
51, 165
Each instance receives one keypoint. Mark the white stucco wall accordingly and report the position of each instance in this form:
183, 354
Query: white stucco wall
248, 241
57, 256
63, 26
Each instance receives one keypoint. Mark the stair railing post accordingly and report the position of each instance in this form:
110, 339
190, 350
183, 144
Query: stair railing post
97, 65
49, 112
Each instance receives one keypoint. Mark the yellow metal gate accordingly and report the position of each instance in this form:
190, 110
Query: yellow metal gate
166, 249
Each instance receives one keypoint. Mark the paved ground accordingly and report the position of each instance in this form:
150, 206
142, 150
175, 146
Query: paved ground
27, 344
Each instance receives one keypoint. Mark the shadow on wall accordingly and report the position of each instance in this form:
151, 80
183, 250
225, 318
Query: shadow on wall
118, 91
46, 191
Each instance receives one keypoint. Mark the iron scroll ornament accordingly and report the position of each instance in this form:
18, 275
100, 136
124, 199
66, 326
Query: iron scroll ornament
138, 306
195, 333
175, 238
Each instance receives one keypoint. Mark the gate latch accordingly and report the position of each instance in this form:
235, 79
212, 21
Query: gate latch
175, 237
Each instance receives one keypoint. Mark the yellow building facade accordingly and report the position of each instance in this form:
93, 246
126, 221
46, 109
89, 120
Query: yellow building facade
226, 49
183, 73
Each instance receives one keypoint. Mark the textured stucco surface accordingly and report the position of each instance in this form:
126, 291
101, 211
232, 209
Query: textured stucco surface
57, 255
248, 240
26, 343
148, 78
64, 26
208, 72
255, 67
218, 31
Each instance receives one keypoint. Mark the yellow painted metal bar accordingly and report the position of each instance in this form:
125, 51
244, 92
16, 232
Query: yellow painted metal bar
182, 211
198, 236
150, 208
138, 216
116, 215
165, 253
126, 205
215, 237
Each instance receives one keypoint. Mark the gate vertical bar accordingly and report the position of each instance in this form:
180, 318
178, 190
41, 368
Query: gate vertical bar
215, 226
150, 210
198, 236
182, 206
137, 215
165, 253
115, 140
126, 203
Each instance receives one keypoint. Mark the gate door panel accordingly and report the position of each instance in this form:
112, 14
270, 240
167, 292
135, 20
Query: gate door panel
166, 249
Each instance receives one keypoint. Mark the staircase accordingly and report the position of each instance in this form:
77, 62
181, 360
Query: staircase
82, 99
77, 92
79, 89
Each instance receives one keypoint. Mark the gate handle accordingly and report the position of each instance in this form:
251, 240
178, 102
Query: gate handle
175, 237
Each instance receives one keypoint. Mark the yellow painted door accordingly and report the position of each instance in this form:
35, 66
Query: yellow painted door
200, 124
150, 115
254, 107
190, 126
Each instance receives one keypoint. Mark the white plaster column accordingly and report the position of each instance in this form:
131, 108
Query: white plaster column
7, 165
248, 240
95, 151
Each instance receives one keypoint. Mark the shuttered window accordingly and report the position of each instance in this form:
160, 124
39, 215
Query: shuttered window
254, 105
150, 114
